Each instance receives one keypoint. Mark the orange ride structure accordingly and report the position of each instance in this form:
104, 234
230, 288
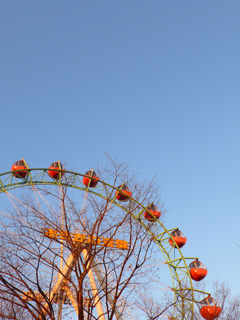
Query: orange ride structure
183, 271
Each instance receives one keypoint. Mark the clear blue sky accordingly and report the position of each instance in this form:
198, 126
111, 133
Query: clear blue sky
154, 83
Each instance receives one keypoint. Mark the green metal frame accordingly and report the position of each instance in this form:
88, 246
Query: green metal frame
177, 263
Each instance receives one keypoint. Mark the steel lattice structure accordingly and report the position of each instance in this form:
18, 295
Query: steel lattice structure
182, 285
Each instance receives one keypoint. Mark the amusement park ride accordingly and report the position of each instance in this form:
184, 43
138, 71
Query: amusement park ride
169, 241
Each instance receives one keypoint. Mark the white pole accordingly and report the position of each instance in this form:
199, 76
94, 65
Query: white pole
110, 298
72, 298
60, 304
94, 289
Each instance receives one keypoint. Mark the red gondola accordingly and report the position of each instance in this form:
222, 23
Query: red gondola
54, 170
154, 211
91, 179
197, 270
124, 194
209, 309
20, 165
178, 237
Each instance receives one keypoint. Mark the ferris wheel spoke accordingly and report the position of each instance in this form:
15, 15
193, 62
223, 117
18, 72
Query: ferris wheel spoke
47, 203
37, 200
13, 200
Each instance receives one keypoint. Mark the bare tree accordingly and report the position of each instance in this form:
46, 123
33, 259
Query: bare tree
154, 308
50, 246
230, 305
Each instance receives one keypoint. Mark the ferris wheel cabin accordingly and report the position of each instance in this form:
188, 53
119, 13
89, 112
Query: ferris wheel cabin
90, 179
154, 213
178, 237
20, 166
197, 270
54, 170
209, 309
124, 194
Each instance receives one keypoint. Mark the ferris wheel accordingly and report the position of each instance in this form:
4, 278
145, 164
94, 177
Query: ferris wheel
64, 243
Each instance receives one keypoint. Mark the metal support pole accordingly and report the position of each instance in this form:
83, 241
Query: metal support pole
58, 285
94, 289
71, 298
60, 304
110, 298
